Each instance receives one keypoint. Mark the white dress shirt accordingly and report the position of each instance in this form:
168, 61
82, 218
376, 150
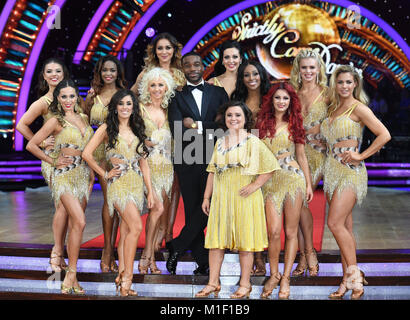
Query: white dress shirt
198, 99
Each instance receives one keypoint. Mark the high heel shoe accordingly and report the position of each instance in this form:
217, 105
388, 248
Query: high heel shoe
73, 289
260, 268
246, 294
113, 265
57, 262
117, 282
301, 267
284, 294
105, 268
313, 270
341, 291
355, 282
270, 285
153, 267
126, 291
143, 269
204, 294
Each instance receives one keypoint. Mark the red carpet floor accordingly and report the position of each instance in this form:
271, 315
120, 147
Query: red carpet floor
317, 207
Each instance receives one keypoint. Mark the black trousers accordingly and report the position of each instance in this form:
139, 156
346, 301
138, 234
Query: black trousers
192, 183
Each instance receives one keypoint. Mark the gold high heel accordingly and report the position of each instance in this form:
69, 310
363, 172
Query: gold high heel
260, 268
204, 294
301, 267
143, 269
153, 267
105, 268
341, 291
57, 267
313, 271
113, 265
127, 291
271, 284
117, 282
284, 294
355, 282
68, 290
237, 295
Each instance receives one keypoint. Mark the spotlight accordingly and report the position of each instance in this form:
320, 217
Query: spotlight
149, 32
169, 15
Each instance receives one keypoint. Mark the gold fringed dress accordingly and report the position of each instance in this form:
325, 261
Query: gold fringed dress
159, 159
290, 180
343, 134
129, 186
46, 168
73, 179
98, 116
315, 152
236, 222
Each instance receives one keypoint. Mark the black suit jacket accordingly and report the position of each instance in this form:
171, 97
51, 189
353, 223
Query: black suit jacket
186, 140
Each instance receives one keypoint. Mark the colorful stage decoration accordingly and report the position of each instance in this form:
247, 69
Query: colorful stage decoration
273, 32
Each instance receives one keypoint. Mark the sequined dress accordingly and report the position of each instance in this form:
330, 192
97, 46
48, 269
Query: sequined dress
129, 186
74, 178
46, 168
98, 116
339, 176
159, 159
315, 152
236, 222
290, 180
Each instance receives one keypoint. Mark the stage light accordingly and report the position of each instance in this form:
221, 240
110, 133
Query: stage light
150, 32
169, 15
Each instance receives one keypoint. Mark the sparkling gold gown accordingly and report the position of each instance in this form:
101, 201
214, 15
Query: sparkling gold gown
129, 186
74, 178
315, 152
98, 116
343, 134
290, 180
236, 222
159, 159
46, 168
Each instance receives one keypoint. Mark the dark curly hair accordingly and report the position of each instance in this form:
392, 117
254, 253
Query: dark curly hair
219, 68
97, 83
246, 111
241, 91
266, 122
135, 122
42, 85
55, 108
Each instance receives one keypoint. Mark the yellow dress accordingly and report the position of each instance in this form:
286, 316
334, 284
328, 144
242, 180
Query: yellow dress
290, 180
159, 159
315, 153
236, 222
98, 116
74, 178
337, 175
46, 168
129, 186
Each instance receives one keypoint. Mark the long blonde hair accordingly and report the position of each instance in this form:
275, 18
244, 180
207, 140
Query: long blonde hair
295, 79
358, 92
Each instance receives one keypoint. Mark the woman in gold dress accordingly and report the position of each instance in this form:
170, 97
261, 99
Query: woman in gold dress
239, 166
226, 68
345, 175
123, 135
52, 72
156, 89
308, 77
108, 79
165, 52
252, 84
72, 179
280, 127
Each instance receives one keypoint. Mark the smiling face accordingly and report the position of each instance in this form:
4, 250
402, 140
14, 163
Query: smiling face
235, 118
164, 51
67, 98
281, 101
251, 77
231, 59
109, 72
345, 85
309, 69
193, 68
124, 107
53, 73
157, 89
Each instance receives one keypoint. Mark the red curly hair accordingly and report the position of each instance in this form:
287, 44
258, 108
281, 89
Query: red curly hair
266, 122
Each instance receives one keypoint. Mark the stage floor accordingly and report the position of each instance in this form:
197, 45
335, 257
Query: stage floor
382, 222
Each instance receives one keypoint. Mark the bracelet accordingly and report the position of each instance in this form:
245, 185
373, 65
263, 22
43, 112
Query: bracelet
42, 144
207, 199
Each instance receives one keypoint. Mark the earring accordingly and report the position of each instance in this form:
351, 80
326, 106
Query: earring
317, 77
299, 78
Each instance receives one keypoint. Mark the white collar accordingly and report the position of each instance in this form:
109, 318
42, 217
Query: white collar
191, 84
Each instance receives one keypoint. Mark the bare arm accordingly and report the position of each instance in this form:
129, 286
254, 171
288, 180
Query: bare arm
302, 161
89, 149
255, 185
36, 109
208, 193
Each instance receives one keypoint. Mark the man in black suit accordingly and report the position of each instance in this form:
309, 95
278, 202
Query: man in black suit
191, 114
